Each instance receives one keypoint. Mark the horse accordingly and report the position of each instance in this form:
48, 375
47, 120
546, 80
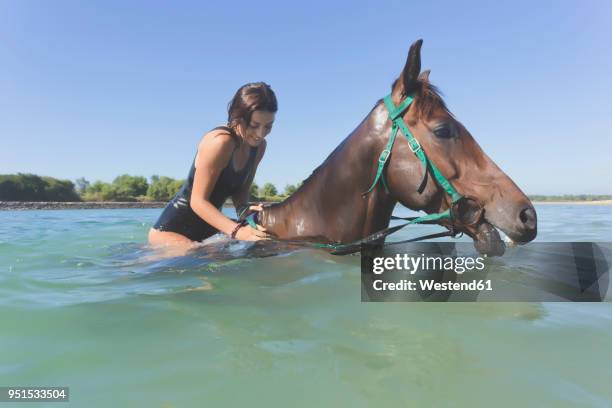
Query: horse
331, 207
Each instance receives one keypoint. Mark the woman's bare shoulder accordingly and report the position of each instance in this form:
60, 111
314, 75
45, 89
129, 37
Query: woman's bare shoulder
218, 136
216, 146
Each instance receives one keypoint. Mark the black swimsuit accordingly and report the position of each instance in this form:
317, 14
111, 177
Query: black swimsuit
180, 218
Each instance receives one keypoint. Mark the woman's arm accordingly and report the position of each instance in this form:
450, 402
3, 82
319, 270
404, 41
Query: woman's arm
214, 153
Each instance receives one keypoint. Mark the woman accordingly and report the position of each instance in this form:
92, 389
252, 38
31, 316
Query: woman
224, 166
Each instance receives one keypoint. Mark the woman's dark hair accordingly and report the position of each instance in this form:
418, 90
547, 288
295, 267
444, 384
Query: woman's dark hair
248, 99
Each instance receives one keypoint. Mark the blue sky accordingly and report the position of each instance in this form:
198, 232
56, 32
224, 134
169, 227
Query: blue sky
97, 89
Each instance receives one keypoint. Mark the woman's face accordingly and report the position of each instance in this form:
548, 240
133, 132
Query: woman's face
258, 128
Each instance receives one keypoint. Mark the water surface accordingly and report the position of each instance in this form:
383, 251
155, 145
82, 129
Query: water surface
83, 304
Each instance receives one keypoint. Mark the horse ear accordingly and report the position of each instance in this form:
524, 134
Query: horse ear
424, 76
410, 74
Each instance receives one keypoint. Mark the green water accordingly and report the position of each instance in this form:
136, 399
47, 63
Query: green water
82, 304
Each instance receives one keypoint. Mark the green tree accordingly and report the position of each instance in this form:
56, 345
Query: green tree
26, 187
9, 188
268, 190
128, 188
100, 191
290, 189
163, 188
176, 186
81, 185
254, 190
59, 190
30, 187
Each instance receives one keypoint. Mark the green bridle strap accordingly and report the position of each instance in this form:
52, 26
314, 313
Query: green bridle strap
384, 156
382, 160
250, 219
396, 112
395, 115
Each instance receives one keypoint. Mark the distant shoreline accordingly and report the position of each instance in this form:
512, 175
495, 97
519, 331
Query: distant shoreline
76, 205
107, 205
585, 202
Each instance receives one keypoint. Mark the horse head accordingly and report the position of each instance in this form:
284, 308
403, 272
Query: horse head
491, 199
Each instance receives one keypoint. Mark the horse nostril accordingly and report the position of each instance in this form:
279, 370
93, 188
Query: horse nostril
528, 217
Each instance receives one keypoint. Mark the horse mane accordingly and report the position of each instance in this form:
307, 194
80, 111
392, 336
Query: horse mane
428, 98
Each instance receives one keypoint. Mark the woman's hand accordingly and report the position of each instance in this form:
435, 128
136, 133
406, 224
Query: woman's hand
257, 207
246, 233
246, 210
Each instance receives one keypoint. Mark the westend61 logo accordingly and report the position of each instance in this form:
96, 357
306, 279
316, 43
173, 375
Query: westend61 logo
455, 272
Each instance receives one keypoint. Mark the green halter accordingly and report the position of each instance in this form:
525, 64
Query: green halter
395, 115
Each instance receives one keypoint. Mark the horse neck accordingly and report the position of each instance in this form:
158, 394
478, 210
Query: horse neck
329, 206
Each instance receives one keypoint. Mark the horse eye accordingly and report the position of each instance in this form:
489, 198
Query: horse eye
442, 132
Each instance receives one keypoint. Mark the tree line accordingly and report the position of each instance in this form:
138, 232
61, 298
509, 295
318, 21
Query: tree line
31, 187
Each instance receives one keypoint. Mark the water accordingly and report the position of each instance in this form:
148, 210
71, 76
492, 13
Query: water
83, 304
